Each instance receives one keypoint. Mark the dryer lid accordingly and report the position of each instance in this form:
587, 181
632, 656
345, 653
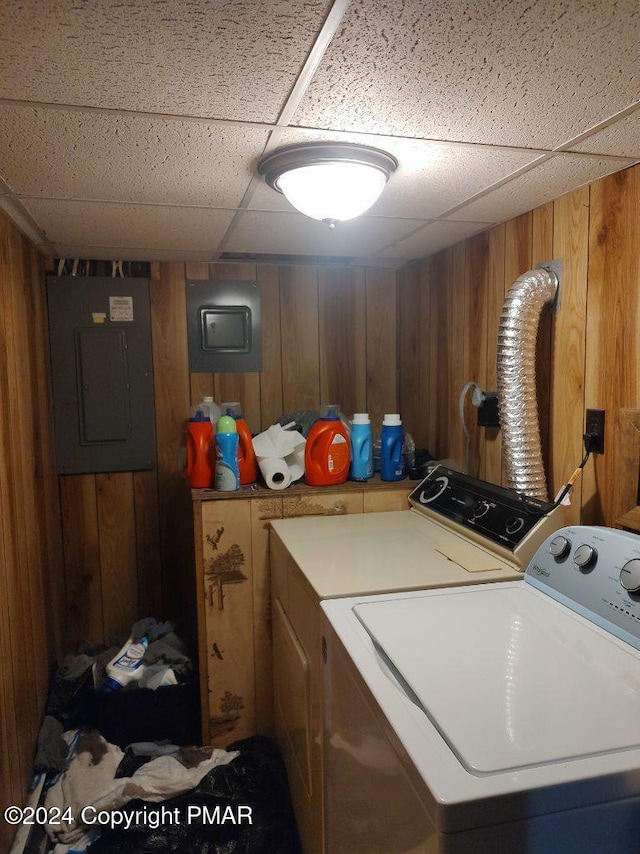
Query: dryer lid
510, 678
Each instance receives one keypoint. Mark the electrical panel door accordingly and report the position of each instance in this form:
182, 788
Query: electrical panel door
102, 372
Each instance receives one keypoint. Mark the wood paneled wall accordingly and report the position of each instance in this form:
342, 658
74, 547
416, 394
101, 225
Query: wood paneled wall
82, 557
329, 336
31, 592
449, 308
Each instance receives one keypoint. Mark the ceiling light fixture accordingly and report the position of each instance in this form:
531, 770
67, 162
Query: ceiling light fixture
329, 181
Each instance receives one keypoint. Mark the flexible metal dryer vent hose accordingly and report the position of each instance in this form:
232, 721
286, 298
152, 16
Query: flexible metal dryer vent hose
517, 403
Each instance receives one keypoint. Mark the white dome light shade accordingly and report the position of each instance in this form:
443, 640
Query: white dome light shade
333, 191
329, 181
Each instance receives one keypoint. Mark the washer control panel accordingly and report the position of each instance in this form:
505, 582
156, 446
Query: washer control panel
501, 515
596, 572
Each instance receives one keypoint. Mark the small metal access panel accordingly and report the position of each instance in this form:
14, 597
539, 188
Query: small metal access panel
102, 373
223, 325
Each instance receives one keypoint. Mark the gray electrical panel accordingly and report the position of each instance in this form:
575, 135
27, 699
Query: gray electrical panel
224, 328
102, 373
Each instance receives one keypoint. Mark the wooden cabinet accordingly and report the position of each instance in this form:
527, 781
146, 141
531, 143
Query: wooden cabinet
298, 694
233, 583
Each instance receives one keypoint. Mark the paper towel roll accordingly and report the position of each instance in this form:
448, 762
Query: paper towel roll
275, 472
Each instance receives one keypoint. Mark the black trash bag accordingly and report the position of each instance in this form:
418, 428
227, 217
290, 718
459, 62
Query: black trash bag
213, 817
66, 700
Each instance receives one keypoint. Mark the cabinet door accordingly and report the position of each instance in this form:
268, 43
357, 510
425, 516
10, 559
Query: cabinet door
322, 504
262, 511
379, 500
228, 614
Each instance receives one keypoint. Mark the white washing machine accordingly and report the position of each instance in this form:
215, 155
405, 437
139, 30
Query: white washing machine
493, 718
459, 531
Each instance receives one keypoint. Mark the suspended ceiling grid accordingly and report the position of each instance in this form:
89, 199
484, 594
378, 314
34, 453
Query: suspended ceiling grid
132, 130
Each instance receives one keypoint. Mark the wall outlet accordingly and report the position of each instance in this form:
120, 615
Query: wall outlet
594, 426
488, 410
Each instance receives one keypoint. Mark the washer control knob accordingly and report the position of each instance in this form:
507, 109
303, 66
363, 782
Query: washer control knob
480, 508
630, 576
585, 556
433, 489
514, 524
559, 547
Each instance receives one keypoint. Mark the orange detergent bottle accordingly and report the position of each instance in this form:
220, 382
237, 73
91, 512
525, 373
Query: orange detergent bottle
327, 452
200, 465
247, 463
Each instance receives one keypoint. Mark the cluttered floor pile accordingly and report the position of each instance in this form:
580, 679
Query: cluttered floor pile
126, 792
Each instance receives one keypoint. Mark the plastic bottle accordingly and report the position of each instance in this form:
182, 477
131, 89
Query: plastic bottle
210, 409
391, 448
409, 451
247, 463
127, 666
361, 447
327, 452
227, 476
200, 464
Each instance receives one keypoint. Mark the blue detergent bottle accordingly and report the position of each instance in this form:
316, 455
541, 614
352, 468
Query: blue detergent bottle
391, 448
227, 476
361, 447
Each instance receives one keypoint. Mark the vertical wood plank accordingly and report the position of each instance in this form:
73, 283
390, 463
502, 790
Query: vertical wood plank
496, 294
476, 351
228, 597
342, 338
262, 512
30, 544
542, 250
459, 325
48, 500
429, 284
299, 331
20, 474
414, 389
570, 243
12, 730
116, 536
201, 384
271, 376
441, 351
612, 379
27, 445
381, 350
147, 544
241, 387
82, 561
518, 234
172, 392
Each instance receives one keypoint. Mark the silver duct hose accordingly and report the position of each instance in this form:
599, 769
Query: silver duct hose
517, 402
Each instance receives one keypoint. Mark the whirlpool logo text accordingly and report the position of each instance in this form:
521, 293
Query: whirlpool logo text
540, 570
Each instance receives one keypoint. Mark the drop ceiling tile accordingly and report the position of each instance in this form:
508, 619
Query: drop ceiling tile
87, 154
295, 234
510, 72
129, 226
551, 179
432, 238
621, 139
224, 59
430, 179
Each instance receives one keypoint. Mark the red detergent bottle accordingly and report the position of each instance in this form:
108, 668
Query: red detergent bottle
200, 465
327, 453
247, 463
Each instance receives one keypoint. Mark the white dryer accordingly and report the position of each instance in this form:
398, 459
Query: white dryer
493, 718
